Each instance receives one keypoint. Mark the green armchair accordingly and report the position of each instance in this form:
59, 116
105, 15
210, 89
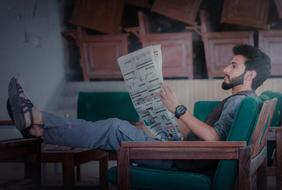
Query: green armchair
241, 156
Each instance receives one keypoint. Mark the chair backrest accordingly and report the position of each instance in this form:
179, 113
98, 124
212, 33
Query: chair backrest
275, 122
277, 115
93, 106
258, 140
241, 130
203, 108
144, 25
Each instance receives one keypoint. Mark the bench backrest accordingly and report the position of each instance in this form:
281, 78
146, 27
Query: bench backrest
93, 106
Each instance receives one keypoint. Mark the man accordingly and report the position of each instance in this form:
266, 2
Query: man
248, 69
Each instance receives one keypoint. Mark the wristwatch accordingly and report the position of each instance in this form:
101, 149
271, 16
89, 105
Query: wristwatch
179, 111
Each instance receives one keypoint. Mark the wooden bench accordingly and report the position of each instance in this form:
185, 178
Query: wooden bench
25, 151
71, 157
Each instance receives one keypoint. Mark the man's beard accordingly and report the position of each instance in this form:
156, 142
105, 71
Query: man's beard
233, 82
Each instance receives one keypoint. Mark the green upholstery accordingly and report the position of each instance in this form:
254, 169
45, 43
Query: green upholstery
93, 106
241, 130
203, 108
226, 172
146, 178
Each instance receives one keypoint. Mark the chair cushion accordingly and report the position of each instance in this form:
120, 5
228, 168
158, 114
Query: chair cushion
93, 106
142, 178
203, 108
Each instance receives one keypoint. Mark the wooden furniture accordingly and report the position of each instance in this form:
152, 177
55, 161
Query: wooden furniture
218, 49
177, 51
218, 45
251, 159
104, 16
71, 157
99, 53
25, 151
205, 24
279, 7
274, 146
252, 13
270, 42
139, 3
181, 10
275, 134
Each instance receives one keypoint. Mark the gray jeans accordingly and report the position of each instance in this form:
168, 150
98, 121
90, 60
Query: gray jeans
104, 134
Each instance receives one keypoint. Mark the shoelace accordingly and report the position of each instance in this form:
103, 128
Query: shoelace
27, 107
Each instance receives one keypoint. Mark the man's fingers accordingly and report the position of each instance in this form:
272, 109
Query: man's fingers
163, 92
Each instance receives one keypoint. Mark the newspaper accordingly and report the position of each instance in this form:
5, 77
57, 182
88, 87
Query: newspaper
142, 73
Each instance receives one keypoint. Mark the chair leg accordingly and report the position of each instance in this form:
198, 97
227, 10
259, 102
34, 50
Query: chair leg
78, 172
103, 167
244, 168
33, 171
68, 173
261, 176
279, 159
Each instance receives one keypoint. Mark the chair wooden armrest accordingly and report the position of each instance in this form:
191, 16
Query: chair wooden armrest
217, 150
180, 149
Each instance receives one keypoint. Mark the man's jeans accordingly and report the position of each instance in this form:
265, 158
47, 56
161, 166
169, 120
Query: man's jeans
104, 134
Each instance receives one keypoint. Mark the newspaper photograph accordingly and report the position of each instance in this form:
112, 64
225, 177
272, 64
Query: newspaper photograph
142, 73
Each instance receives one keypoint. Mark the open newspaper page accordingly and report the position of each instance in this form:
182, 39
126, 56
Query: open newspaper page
142, 73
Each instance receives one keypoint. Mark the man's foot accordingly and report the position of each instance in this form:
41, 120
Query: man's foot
21, 109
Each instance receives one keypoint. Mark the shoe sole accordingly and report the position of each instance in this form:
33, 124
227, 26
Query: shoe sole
16, 104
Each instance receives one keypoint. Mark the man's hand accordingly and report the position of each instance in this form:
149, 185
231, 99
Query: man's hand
140, 125
169, 99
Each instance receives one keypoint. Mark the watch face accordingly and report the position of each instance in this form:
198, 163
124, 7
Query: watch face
180, 110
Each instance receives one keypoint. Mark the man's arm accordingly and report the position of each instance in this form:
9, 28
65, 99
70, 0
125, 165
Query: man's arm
199, 128
187, 121
191, 124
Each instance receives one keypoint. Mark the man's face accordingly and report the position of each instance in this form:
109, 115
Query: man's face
234, 72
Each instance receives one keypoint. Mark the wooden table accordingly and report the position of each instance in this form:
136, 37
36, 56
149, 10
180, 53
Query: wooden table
71, 157
25, 151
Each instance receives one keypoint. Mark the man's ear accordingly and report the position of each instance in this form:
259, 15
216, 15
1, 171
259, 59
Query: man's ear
250, 75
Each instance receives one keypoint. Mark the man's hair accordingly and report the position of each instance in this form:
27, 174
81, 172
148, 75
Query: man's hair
256, 60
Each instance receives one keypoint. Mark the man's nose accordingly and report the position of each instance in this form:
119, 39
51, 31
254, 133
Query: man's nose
225, 70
